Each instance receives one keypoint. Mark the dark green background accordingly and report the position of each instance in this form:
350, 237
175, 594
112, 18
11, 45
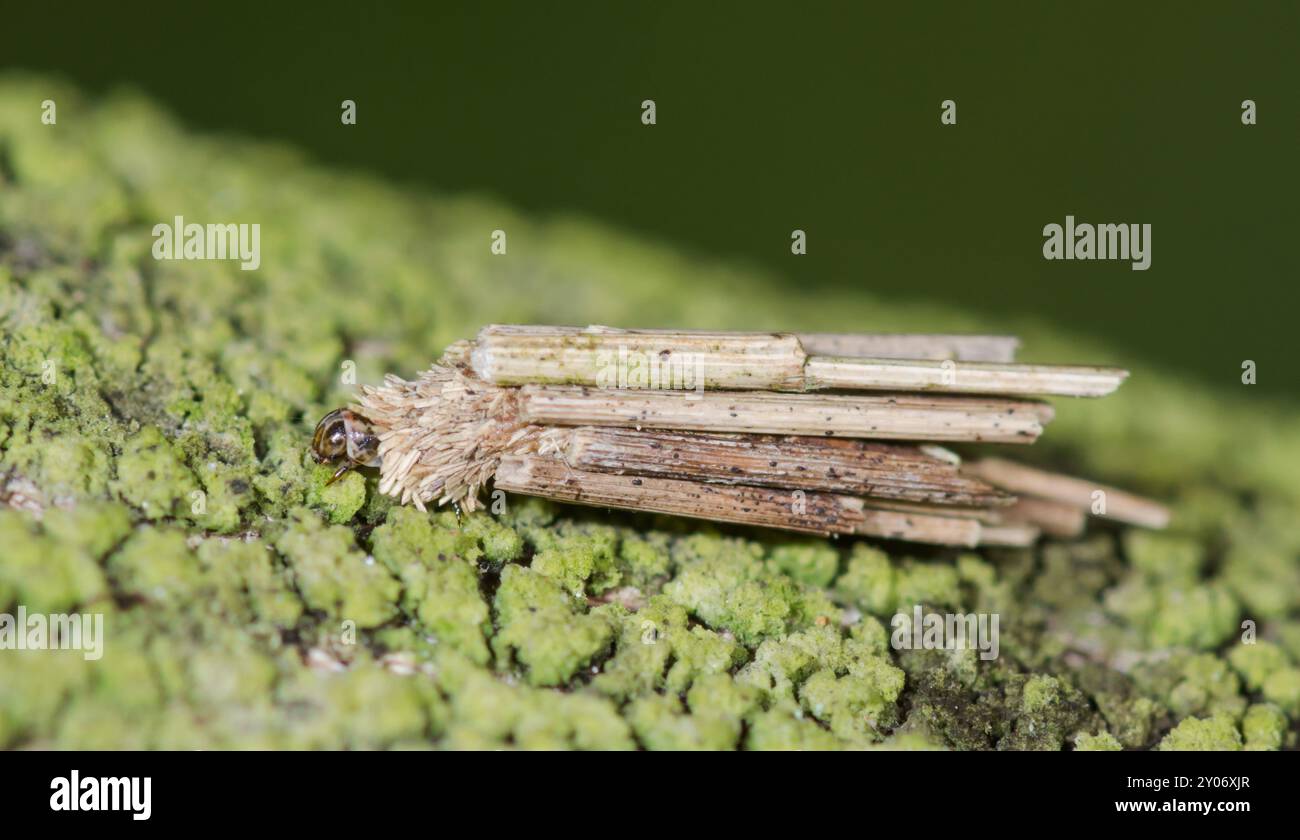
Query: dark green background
820, 116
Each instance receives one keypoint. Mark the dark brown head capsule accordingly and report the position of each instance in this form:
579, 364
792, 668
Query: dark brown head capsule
345, 438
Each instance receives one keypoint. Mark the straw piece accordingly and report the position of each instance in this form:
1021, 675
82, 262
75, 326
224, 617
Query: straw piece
1009, 536
813, 513
962, 348
1053, 518
825, 372
604, 357
607, 358
1076, 492
831, 465
988, 516
884, 417
921, 527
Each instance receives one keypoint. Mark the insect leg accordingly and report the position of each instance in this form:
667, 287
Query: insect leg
339, 473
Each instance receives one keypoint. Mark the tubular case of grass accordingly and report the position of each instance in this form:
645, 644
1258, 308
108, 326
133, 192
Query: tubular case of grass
443, 434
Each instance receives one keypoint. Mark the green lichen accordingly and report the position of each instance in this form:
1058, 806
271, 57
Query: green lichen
1283, 688
1217, 733
152, 477
868, 580
248, 585
812, 562
156, 565
1260, 570
780, 666
1050, 710
544, 630
56, 570
1264, 727
854, 705
339, 501
644, 561
1257, 661
1166, 557
1201, 617
1130, 716
1099, 742
440, 585
500, 543
334, 576
485, 713
878, 585
1208, 686
339, 708
661, 723
580, 562
724, 583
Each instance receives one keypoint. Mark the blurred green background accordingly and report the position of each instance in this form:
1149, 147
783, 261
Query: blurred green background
823, 117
